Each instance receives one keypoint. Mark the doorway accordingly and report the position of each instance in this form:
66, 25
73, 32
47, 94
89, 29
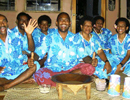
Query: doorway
86, 7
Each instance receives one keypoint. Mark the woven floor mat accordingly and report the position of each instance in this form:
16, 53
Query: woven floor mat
34, 94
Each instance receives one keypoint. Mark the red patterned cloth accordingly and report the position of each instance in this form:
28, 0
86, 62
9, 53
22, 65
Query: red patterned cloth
43, 75
86, 69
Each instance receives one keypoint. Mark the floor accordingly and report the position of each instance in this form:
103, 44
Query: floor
2, 94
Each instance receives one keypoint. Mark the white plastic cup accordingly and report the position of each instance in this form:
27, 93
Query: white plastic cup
126, 88
44, 88
100, 84
114, 85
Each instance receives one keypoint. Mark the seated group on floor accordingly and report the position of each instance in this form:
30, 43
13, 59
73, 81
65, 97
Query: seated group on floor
42, 52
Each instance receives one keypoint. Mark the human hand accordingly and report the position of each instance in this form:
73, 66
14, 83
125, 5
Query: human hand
31, 60
107, 66
94, 60
31, 26
1, 69
119, 69
46, 55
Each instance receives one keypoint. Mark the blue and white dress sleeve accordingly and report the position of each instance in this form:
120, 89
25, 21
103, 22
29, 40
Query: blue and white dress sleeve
43, 49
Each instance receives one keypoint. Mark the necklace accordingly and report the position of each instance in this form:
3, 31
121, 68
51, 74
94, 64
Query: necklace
100, 36
91, 44
96, 31
122, 52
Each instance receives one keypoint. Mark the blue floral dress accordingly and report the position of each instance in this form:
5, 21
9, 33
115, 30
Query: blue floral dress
62, 56
88, 48
36, 34
50, 31
104, 37
119, 51
11, 56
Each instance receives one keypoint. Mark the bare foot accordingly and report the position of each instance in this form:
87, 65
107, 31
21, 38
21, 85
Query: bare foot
29, 81
1, 88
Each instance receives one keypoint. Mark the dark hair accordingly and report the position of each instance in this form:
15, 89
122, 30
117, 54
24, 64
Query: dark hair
23, 14
4, 17
61, 14
124, 20
97, 18
45, 18
85, 18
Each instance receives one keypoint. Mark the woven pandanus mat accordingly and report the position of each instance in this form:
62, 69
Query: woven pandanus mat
34, 94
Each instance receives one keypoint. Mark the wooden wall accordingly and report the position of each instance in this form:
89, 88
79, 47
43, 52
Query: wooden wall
20, 6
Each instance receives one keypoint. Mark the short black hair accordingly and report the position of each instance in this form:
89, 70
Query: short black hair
85, 18
124, 20
97, 18
44, 18
61, 14
4, 17
23, 14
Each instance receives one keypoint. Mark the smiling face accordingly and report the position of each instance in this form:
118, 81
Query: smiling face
3, 25
22, 19
63, 23
99, 24
44, 26
121, 27
86, 27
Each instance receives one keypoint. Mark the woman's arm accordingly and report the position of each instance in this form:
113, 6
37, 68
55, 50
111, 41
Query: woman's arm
126, 58
123, 62
103, 57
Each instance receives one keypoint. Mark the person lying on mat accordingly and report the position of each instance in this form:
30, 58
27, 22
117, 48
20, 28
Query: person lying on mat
14, 66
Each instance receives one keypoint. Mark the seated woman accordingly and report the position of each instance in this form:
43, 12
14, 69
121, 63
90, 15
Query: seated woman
119, 45
44, 22
91, 43
103, 33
